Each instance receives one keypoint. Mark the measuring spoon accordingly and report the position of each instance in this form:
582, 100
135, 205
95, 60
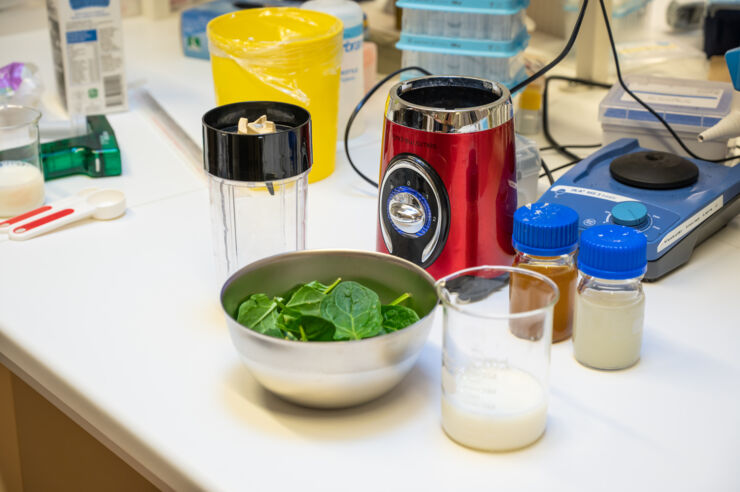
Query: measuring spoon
18, 220
100, 205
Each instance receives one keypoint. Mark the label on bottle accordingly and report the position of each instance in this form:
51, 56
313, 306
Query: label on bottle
352, 81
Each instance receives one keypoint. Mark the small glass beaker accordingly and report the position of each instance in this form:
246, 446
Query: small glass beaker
21, 174
257, 183
494, 379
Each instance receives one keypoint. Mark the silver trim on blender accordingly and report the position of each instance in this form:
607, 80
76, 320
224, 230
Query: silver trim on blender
441, 120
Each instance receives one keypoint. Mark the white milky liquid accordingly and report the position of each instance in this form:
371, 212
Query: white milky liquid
607, 328
21, 188
493, 409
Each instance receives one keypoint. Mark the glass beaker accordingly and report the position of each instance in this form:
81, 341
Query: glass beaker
257, 183
21, 174
494, 379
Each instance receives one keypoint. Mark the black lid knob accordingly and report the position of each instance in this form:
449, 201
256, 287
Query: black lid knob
283, 154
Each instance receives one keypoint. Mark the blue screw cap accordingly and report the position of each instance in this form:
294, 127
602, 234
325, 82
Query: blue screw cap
612, 252
545, 229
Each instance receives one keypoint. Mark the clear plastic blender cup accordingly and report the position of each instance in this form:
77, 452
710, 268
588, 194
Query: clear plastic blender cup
257, 183
21, 174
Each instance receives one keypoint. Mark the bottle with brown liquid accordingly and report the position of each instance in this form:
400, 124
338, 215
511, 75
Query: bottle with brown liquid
546, 239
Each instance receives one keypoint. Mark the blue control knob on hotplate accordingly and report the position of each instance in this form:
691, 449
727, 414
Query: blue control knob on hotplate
632, 214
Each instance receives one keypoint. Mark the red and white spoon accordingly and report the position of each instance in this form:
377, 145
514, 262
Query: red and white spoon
5, 225
98, 204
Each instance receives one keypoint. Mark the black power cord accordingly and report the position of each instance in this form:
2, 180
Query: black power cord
546, 115
563, 149
559, 58
571, 146
556, 169
357, 111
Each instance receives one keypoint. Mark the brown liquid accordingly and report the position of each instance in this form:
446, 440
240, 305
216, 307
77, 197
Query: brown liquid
526, 295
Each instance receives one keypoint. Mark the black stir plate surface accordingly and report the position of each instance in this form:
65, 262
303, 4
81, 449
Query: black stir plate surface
654, 170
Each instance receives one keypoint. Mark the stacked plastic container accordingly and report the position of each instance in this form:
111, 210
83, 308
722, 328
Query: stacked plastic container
480, 38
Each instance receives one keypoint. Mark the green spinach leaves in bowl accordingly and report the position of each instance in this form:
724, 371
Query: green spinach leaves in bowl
342, 310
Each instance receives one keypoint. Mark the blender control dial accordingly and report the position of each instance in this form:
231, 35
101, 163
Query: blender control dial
414, 210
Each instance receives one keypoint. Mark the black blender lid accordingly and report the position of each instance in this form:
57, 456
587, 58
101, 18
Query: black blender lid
654, 170
283, 154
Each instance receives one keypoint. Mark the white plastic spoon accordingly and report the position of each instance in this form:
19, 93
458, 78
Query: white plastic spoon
100, 205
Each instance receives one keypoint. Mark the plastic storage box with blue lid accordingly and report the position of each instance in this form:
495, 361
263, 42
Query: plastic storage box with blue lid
689, 106
482, 38
509, 71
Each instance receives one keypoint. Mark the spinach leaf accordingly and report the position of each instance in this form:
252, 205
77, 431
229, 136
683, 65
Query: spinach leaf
314, 328
354, 310
260, 314
289, 294
397, 317
306, 300
324, 289
306, 327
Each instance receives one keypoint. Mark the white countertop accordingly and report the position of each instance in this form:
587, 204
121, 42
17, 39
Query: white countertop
118, 323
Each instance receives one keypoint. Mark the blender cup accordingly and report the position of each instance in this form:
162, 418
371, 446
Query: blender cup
257, 183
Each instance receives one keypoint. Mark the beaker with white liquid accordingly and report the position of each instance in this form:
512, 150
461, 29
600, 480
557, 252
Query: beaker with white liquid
21, 174
494, 380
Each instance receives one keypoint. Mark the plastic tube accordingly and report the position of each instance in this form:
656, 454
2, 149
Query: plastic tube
729, 126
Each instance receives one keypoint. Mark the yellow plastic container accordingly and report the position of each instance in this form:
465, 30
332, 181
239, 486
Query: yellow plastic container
287, 55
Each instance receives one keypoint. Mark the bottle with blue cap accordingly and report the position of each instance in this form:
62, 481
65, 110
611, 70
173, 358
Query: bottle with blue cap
610, 302
545, 239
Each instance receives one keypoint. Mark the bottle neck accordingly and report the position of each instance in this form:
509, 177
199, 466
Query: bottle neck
587, 281
566, 259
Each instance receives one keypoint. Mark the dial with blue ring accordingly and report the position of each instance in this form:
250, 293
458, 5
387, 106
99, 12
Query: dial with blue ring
632, 214
408, 212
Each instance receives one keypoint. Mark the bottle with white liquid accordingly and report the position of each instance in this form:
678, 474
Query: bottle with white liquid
351, 88
610, 303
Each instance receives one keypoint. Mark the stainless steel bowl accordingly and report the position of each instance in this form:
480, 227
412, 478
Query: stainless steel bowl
331, 374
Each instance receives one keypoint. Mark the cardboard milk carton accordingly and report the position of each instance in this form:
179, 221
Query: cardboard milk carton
87, 44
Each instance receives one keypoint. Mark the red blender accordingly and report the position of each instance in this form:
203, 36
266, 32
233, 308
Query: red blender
447, 192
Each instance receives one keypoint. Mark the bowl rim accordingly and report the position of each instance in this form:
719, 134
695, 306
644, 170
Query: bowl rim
315, 252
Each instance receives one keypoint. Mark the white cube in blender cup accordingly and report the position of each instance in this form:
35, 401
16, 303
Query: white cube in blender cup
257, 182
87, 47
